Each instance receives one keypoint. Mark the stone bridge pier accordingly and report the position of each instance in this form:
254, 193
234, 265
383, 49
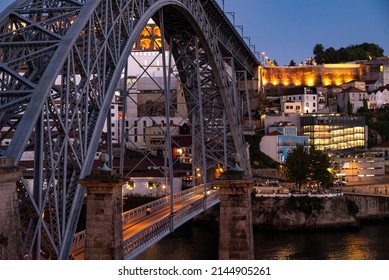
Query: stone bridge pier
104, 230
10, 234
236, 240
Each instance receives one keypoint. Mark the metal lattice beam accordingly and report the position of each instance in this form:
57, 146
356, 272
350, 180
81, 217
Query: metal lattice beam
60, 62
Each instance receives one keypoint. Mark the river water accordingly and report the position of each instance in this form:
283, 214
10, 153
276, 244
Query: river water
193, 242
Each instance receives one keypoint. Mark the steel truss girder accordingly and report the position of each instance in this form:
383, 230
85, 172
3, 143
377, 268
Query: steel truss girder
210, 128
60, 61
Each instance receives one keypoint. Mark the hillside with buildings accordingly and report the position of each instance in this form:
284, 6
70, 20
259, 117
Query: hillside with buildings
337, 108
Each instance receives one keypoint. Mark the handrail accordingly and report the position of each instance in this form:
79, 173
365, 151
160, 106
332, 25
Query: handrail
151, 234
138, 213
146, 236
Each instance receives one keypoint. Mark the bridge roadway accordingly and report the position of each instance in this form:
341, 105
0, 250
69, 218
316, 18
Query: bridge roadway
140, 231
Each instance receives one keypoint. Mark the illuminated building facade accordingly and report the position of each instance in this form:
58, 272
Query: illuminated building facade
358, 166
374, 72
306, 99
353, 97
332, 132
282, 138
311, 75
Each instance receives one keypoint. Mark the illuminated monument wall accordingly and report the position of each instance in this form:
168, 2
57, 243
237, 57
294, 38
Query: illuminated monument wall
312, 75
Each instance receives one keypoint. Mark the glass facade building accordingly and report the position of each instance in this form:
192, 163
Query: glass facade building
331, 132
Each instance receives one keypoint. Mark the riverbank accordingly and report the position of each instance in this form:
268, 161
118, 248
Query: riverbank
282, 212
303, 212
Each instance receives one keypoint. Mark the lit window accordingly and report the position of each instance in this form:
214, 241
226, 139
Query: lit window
157, 31
145, 43
146, 32
158, 43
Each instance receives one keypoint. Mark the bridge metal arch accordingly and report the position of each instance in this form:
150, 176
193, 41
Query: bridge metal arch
82, 106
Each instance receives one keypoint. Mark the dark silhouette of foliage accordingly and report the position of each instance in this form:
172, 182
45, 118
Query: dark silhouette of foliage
364, 51
296, 166
257, 157
318, 52
320, 167
352, 207
302, 166
292, 63
377, 122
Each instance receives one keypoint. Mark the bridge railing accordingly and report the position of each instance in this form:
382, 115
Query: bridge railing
78, 245
187, 212
146, 236
212, 198
135, 214
137, 243
138, 213
162, 227
180, 196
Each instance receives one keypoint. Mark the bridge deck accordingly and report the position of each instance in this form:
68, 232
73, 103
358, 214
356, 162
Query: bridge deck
147, 223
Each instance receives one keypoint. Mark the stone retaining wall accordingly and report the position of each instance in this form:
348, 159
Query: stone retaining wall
370, 206
377, 189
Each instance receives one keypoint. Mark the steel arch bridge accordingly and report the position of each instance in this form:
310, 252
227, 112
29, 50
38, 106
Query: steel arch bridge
60, 64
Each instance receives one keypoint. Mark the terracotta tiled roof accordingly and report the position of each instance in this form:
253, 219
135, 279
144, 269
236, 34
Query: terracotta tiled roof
353, 89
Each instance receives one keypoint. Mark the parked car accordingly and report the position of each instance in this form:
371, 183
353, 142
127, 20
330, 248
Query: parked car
340, 183
272, 182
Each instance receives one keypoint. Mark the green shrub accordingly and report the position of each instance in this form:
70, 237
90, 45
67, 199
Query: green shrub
352, 207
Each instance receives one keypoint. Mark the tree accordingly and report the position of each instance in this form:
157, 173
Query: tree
349, 108
318, 52
364, 51
296, 166
302, 165
292, 63
331, 56
257, 157
319, 167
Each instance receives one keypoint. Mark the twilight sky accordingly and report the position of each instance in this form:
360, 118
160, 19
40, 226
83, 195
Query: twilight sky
289, 29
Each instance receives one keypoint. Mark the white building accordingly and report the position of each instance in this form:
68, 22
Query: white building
282, 138
359, 166
378, 73
291, 107
305, 95
355, 96
379, 97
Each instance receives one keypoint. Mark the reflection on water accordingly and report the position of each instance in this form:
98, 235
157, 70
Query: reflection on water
201, 243
186, 243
